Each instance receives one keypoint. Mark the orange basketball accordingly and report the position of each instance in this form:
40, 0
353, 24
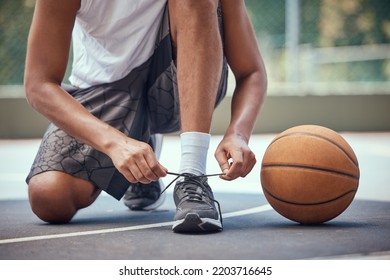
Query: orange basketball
309, 174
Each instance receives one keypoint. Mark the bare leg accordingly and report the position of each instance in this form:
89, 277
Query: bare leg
55, 197
195, 34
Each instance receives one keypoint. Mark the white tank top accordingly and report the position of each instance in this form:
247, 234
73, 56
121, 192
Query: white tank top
112, 37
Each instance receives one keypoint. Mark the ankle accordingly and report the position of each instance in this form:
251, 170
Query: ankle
194, 150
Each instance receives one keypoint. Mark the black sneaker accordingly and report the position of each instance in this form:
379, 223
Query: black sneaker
144, 197
195, 206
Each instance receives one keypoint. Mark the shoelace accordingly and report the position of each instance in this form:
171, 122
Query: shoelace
193, 192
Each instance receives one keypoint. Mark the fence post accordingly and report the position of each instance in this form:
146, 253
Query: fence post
292, 40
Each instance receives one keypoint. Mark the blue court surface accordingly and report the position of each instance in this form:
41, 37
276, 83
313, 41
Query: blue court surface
252, 229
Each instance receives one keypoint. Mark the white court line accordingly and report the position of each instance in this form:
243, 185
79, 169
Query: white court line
379, 255
254, 210
249, 211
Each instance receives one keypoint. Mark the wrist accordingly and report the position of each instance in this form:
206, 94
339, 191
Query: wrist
108, 140
233, 131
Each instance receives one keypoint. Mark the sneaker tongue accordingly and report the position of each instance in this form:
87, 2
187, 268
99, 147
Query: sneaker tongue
194, 186
195, 194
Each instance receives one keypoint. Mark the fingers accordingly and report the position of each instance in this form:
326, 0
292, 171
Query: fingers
236, 167
138, 163
236, 163
147, 169
242, 164
144, 173
223, 160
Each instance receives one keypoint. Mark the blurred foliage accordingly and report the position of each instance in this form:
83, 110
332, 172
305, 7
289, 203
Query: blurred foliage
323, 23
15, 20
326, 23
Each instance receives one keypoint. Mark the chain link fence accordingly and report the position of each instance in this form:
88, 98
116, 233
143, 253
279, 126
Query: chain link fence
305, 43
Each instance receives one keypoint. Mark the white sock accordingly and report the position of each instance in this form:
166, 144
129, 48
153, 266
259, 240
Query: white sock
194, 148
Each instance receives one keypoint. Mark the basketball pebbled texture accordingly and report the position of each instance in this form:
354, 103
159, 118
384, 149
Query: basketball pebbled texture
309, 174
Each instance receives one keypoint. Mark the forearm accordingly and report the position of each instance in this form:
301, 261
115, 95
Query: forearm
247, 101
233, 153
64, 111
46, 60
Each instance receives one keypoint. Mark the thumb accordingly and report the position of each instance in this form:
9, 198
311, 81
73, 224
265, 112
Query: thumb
223, 161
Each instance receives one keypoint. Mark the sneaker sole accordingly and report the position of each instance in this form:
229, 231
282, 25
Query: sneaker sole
194, 223
157, 203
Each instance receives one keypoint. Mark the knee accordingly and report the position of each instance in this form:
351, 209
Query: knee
49, 201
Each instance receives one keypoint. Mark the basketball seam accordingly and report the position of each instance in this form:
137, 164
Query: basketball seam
312, 168
318, 136
309, 204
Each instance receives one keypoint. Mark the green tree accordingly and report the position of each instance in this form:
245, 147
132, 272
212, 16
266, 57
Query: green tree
354, 22
15, 19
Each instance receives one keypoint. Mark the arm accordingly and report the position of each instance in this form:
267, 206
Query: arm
47, 55
248, 68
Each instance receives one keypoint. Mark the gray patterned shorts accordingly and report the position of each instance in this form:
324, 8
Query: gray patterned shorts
141, 104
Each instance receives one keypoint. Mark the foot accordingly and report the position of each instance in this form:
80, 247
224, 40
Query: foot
144, 197
195, 206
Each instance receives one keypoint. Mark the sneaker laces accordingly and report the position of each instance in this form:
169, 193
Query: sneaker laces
191, 191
